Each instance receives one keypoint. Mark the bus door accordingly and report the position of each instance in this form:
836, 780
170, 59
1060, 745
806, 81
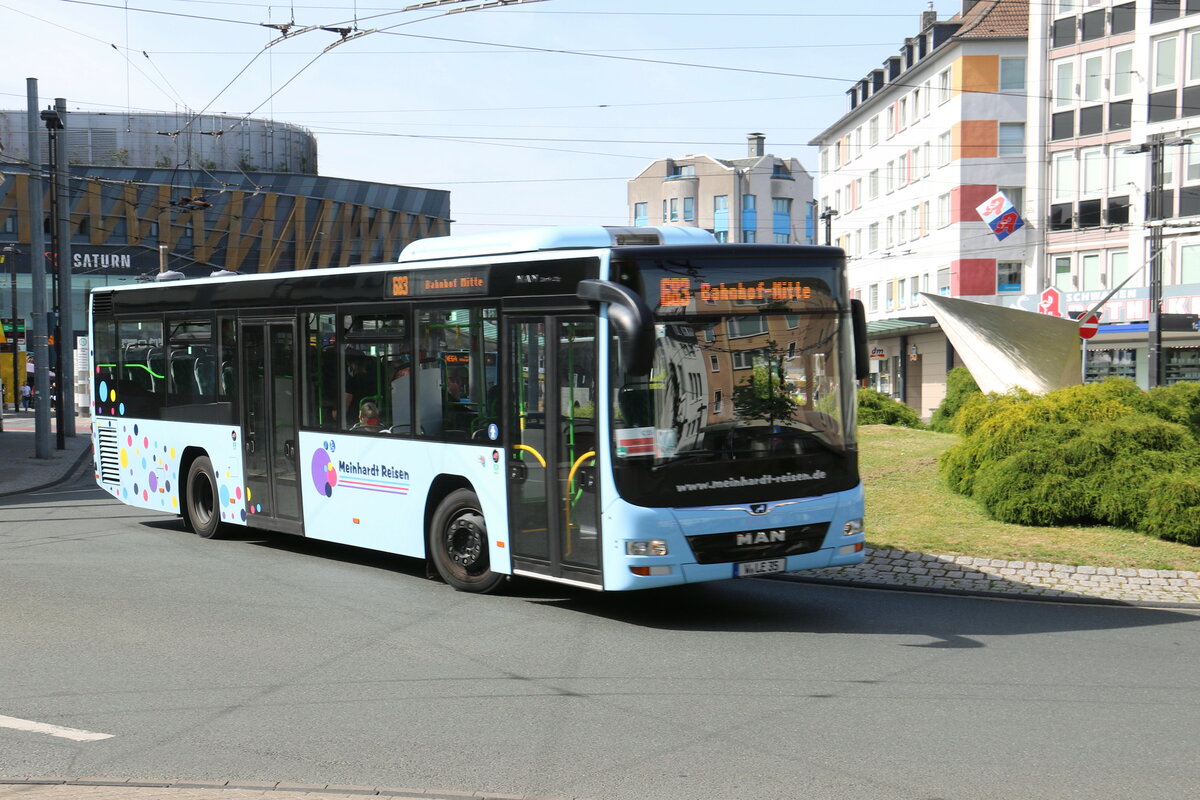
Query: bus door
552, 448
269, 430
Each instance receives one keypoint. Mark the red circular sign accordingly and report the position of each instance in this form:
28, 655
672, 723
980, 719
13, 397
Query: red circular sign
1089, 326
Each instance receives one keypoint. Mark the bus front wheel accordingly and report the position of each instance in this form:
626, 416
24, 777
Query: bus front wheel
458, 544
201, 503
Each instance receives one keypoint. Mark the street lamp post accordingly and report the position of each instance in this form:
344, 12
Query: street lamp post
54, 124
1156, 212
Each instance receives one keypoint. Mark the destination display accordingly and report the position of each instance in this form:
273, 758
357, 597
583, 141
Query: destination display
678, 292
437, 282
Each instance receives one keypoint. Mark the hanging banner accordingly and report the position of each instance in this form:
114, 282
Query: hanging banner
1000, 215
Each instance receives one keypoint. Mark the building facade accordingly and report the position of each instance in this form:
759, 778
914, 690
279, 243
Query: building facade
1118, 179
929, 136
759, 198
196, 203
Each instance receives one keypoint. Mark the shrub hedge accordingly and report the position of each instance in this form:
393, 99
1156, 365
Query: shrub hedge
1106, 453
960, 386
876, 408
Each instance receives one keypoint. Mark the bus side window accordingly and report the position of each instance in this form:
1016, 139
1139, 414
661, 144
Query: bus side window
143, 379
226, 375
322, 389
376, 365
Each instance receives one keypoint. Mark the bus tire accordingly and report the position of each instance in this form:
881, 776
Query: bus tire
458, 544
200, 507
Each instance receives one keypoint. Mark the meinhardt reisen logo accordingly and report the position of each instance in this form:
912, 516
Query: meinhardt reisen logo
764, 480
349, 474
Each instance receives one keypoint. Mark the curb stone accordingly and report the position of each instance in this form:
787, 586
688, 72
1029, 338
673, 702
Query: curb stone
906, 570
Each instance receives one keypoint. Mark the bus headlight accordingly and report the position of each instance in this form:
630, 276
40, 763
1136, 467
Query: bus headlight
654, 547
852, 527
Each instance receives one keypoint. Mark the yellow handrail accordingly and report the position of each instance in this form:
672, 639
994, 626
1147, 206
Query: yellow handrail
536, 454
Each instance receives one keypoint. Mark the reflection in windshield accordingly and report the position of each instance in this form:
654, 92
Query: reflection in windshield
735, 387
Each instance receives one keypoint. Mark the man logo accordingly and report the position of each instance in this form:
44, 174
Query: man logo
760, 537
758, 508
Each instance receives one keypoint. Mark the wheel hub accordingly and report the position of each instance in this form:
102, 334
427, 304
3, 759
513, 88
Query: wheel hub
464, 540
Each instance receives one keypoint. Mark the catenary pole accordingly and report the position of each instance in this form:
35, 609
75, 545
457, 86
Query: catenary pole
37, 277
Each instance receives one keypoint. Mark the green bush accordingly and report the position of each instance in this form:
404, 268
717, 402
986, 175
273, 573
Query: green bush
959, 387
876, 408
1104, 453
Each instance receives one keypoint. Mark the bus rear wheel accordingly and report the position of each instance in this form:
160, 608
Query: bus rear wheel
201, 504
458, 544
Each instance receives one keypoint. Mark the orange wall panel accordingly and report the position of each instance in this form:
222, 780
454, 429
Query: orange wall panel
976, 74
974, 138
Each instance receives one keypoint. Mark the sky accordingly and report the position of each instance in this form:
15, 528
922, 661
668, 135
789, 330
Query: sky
532, 114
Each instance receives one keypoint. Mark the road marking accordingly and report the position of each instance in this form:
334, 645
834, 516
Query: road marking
54, 730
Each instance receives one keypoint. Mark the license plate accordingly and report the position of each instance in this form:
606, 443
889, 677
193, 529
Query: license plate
748, 569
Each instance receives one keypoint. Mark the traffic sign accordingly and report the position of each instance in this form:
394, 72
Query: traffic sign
1088, 327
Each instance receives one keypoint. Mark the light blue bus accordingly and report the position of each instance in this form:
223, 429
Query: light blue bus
610, 408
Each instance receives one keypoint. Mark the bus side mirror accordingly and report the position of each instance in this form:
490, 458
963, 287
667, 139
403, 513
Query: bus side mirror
630, 319
862, 363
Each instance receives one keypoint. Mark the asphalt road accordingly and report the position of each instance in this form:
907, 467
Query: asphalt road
281, 659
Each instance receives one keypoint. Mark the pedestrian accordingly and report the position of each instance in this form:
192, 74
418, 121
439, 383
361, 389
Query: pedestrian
26, 395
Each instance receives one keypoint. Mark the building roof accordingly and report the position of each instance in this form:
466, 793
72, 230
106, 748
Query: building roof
994, 19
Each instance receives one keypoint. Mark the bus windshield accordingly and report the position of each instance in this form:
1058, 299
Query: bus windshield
746, 388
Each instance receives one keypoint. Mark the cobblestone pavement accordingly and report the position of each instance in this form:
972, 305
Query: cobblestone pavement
1025, 580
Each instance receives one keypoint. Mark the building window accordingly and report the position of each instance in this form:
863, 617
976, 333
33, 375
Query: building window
944, 282
1064, 83
873, 130
1093, 79
664, 219
1062, 274
1016, 196
1091, 26
1093, 279
1121, 84
1012, 74
1161, 10
674, 209
943, 86
873, 237
717, 401
783, 238
1062, 32
873, 296
1093, 171
689, 208
1011, 139
721, 203
1118, 263
1163, 73
714, 363
901, 293
639, 214
1008, 276
1122, 18
943, 210
1063, 172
